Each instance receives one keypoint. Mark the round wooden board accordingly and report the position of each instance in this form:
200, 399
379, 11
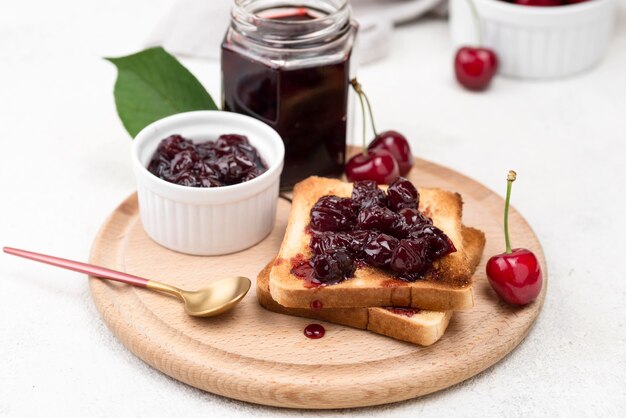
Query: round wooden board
259, 356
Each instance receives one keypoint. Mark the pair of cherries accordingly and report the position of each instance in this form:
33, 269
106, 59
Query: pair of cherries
386, 158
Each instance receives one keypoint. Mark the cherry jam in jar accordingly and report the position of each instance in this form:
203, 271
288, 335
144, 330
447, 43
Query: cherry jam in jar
287, 63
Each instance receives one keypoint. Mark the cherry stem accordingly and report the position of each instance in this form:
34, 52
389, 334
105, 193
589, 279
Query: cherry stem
369, 108
364, 124
359, 90
479, 35
509, 183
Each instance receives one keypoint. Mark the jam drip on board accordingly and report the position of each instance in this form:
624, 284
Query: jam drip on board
383, 230
314, 331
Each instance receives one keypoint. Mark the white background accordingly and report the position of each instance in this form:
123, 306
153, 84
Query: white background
64, 166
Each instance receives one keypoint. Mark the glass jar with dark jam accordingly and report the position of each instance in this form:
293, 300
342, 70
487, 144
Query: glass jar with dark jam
287, 63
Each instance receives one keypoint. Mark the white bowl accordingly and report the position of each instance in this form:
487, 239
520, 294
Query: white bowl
208, 221
537, 42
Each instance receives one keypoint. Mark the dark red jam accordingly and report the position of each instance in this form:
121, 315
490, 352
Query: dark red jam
307, 105
228, 160
291, 14
316, 305
408, 312
383, 230
314, 331
301, 267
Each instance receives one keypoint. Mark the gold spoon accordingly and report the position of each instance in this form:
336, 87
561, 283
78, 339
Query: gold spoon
216, 298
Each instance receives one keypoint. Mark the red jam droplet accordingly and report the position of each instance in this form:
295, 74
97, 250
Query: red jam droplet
314, 331
316, 305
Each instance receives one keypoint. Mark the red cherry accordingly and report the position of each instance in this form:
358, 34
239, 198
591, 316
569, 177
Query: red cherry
538, 2
516, 277
475, 67
378, 165
397, 145
574, 1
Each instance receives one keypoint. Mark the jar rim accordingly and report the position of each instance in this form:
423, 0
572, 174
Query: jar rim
247, 21
241, 5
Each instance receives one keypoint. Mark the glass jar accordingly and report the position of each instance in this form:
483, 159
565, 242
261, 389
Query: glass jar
287, 63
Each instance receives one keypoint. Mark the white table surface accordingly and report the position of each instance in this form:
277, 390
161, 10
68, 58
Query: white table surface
65, 165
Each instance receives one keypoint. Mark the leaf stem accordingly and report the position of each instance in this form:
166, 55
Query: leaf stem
476, 16
509, 183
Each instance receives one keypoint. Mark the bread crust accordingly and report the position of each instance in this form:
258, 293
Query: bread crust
447, 286
423, 327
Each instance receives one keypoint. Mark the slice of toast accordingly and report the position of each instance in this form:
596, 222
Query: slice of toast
416, 326
447, 286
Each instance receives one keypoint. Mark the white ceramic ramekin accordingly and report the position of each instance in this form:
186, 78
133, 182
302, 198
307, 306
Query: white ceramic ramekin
537, 42
208, 221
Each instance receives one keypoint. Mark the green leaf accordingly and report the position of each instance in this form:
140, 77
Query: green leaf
152, 84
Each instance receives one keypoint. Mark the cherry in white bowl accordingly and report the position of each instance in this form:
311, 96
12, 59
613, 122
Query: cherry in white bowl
208, 220
536, 42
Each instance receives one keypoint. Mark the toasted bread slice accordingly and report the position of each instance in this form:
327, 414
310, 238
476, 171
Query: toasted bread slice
447, 286
416, 326
474, 241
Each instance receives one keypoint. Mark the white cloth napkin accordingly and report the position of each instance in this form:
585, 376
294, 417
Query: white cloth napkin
195, 28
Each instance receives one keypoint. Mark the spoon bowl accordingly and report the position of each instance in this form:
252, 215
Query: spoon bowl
212, 300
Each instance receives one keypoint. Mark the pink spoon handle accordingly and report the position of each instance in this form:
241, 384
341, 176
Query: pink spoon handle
90, 269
